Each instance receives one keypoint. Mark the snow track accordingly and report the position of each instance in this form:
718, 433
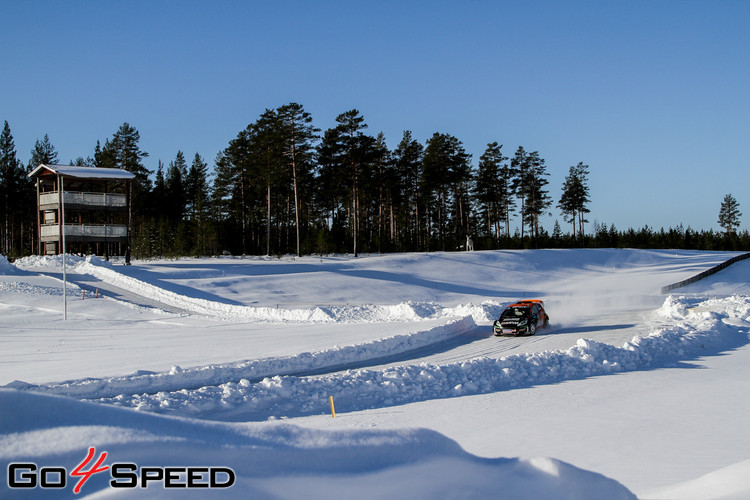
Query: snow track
308, 363
457, 357
684, 336
289, 387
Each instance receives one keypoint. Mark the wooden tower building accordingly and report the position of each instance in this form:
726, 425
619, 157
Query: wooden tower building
86, 208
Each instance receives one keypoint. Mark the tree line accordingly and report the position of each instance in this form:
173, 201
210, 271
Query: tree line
283, 186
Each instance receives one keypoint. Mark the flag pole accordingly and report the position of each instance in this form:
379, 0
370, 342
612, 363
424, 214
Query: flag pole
62, 230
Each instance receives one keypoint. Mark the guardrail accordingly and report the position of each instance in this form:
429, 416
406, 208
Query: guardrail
706, 273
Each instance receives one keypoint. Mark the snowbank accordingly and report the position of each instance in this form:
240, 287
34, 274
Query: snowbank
273, 460
6, 267
179, 379
726, 483
690, 328
359, 313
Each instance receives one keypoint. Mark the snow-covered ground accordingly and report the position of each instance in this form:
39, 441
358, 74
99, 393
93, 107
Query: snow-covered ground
232, 363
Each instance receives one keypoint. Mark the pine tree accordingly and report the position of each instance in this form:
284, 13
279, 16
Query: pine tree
331, 190
266, 146
575, 197
43, 154
445, 172
407, 159
229, 200
298, 135
197, 188
12, 180
175, 189
518, 167
493, 189
729, 214
198, 193
345, 153
536, 197
124, 152
159, 193
557, 233
387, 186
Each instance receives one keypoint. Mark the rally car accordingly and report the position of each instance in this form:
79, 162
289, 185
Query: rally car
521, 318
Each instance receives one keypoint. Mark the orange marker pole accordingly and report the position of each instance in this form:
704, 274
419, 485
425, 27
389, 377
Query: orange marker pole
333, 410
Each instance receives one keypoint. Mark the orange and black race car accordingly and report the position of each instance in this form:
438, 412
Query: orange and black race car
522, 318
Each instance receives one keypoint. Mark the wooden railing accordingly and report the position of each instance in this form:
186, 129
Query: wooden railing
85, 230
108, 200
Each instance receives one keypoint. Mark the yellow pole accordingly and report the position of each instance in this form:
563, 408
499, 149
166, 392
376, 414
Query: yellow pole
333, 410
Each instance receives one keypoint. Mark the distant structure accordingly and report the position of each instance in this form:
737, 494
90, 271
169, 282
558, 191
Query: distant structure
90, 206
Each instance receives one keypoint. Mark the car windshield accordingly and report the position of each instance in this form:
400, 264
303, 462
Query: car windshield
516, 311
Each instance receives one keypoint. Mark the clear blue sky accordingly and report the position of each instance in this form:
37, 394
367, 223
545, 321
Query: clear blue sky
652, 95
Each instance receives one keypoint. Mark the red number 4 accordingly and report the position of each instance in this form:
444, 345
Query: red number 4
86, 474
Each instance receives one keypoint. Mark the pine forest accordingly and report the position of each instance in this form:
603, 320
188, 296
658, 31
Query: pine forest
283, 186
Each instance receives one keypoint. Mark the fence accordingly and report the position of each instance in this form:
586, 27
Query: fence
704, 274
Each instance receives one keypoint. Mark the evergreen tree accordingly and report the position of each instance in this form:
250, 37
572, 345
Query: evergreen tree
407, 159
265, 143
386, 184
536, 197
518, 167
12, 195
729, 214
159, 192
575, 197
331, 190
298, 135
175, 189
344, 155
104, 157
43, 154
124, 152
227, 211
83, 162
159, 227
493, 189
557, 235
197, 187
198, 193
232, 189
445, 174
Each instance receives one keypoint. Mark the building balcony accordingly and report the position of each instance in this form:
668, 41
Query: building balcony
79, 200
85, 232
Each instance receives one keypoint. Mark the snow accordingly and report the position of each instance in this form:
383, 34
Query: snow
232, 362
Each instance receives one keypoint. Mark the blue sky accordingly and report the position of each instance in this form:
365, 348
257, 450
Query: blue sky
653, 96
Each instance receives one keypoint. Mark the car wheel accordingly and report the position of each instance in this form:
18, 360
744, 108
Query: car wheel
532, 328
